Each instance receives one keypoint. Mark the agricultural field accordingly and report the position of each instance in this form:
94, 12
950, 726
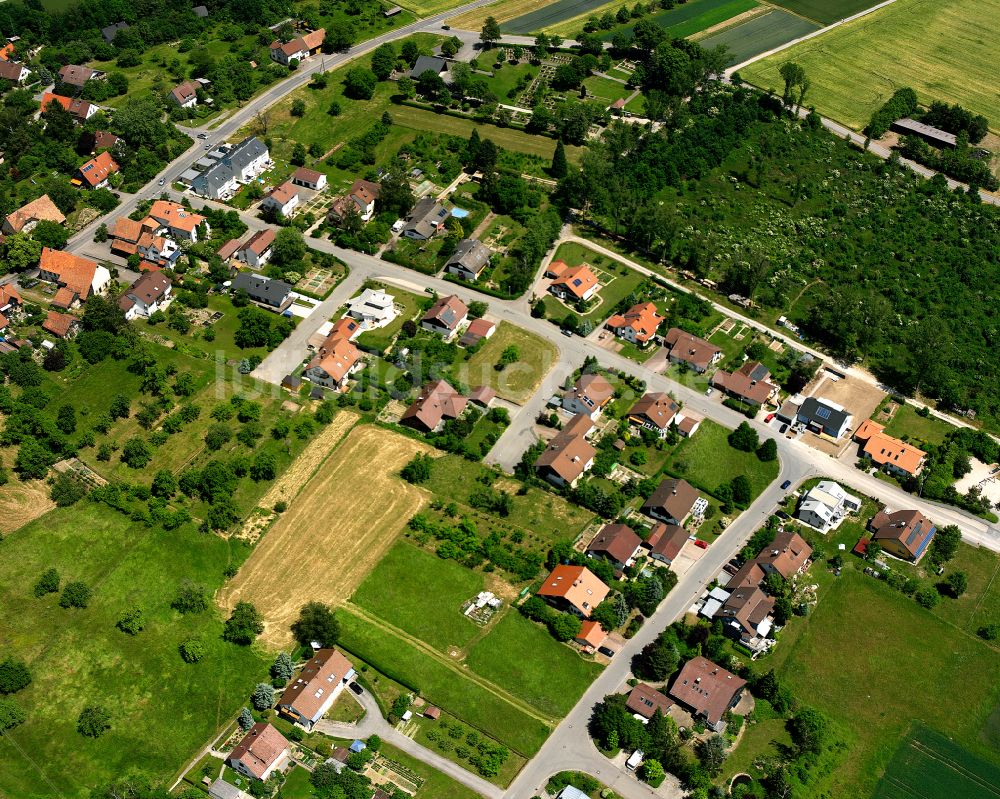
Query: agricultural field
939, 50
518, 381
825, 12
707, 461
77, 656
333, 533
929, 766
895, 663
758, 35
550, 14
22, 501
691, 17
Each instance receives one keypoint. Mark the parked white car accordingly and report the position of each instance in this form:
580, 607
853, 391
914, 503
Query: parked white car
397, 226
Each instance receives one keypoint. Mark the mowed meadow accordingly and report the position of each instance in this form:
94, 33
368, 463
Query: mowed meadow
944, 51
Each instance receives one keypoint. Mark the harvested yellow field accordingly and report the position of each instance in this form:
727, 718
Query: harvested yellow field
21, 503
333, 533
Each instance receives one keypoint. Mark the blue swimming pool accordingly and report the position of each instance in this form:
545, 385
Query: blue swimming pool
459, 213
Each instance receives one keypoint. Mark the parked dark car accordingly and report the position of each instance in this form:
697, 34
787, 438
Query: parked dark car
356, 688
605, 651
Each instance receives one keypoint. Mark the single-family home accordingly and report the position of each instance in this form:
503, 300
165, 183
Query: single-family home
10, 303
312, 692
76, 75
8, 51
105, 140
751, 383
655, 411
361, 198
437, 402
445, 316
97, 170
256, 251
638, 324
275, 295
787, 554
887, 452
179, 222
746, 615
157, 250
574, 588
673, 501
147, 295
24, 219
469, 260
665, 542
477, 330
426, 219
185, 95
591, 635
77, 278
568, 455
430, 63
299, 48
750, 575
589, 395
59, 324
309, 178
707, 690
13, 71
825, 505
335, 361
903, 533
261, 752
824, 416
111, 31
229, 249
695, 352
575, 284
373, 307
81, 110
616, 543
644, 700
283, 199
127, 233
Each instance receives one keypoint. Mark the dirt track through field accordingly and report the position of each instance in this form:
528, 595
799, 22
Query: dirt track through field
333, 533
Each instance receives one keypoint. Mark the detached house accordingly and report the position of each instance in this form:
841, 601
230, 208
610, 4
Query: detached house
644, 700
426, 219
309, 178
674, 501
77, 278
746, 616
575, 284
149, 294
256, 251
262, 751
666, 541
336, 360
787, 554
24, 219
311, 694
825, 505
14, 72
695, 352
374, 308
637, 325
824, 416
60, 324
469, 260
574, 588
568, 455
77, 76
361, 198
283, 200
707, 690
97, 170
185, 95
437, 402
10, 302
589, 395
750, 383
445, 316
655, 412
275, 295
890, 453
299, 48
616, 543
903, 533
81, 110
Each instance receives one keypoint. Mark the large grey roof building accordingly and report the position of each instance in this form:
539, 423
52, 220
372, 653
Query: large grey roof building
274, 294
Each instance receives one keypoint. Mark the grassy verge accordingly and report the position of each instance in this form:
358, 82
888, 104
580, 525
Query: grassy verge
518, 381
707, 461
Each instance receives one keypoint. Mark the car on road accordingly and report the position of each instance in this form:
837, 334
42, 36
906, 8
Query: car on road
202, 135
709, 391
356, 688
784, 427
567, 332
162, 181
785, 485
769, 417
446, 27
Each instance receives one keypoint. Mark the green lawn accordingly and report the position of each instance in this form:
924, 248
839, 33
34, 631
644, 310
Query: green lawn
297, 785
524, 658
443, 686
541, 516
759, 740
617, 280
518, 381
909, 425
875, 661
938, 49
707, 461
422, 594
78, 657
605, 89
505, 80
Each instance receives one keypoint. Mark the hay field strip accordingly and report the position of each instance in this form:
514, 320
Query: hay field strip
943, 51
334, 532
